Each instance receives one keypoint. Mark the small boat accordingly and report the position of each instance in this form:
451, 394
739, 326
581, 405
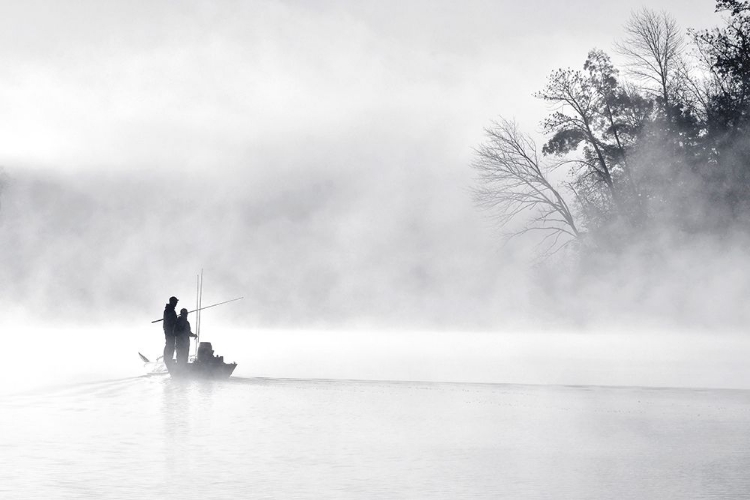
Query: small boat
204, 366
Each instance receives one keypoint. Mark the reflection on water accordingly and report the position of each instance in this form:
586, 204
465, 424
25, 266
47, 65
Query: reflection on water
270, 438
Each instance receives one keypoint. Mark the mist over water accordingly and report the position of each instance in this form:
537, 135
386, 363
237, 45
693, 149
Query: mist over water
89, 249
311, 252
59, 356
381, 296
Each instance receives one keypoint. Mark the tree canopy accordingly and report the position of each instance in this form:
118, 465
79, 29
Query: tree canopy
659, 144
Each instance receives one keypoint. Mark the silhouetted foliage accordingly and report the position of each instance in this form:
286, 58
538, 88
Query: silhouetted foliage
668, 149
727, 164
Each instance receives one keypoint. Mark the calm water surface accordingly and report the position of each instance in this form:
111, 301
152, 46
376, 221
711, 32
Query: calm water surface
268, 438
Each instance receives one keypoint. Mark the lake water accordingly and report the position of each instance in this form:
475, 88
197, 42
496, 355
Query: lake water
153, 437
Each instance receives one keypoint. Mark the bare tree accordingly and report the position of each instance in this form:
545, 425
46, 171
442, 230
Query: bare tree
513, 182
654, 47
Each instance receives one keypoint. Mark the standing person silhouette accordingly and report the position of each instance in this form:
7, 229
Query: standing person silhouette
170, 321
182, 335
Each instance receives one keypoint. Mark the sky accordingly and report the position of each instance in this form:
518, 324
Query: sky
312, 157
253, 87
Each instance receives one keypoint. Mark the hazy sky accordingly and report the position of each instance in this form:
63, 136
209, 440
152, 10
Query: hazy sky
201, 87
312, 156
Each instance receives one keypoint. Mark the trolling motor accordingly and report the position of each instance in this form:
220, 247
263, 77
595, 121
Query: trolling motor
206, 354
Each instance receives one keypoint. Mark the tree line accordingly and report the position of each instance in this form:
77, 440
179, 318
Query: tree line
660, 143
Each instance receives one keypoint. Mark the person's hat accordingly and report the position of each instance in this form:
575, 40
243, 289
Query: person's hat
173, 299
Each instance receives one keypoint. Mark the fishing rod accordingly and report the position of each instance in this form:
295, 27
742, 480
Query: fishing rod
198, 280
198, 316
202, 308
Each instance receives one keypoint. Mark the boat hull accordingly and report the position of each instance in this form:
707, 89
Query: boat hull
197, 370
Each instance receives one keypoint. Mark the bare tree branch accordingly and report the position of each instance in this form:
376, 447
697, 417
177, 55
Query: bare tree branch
513, 182
654, 46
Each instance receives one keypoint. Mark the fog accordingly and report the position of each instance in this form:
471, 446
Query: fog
304, 252
315, 160
324, 251
349, 283
644, 358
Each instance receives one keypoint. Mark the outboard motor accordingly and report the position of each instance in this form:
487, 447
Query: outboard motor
205, 352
